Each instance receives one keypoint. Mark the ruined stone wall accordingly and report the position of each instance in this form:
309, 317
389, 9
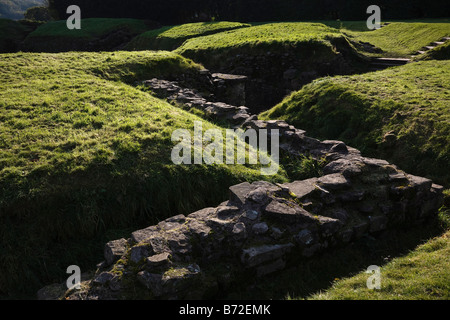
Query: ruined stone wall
261, 225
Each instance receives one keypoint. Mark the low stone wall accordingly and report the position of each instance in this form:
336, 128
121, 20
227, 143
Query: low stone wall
262, 225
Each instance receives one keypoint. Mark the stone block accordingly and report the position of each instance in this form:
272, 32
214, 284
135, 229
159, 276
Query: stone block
255, 256
114, 250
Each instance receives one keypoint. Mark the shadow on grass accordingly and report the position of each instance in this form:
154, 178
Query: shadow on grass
305, 277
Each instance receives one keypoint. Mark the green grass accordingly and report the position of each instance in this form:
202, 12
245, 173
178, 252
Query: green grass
423, 274
171, 37
411, 102
310, 41
284, 34
441, 52
85, 158
399, 39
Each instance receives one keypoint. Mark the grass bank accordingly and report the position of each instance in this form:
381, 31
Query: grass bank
86, 158
400, 39
399, 114
171, 37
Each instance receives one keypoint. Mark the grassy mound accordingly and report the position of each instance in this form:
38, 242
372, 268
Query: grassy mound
399, 114
401, 38
54, 36
11, 34
171, 37
439, 53
86, 158
263, 37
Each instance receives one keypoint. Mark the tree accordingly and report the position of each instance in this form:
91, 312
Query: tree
38, 14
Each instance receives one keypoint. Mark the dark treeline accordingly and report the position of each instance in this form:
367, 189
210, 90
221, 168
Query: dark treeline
182, 11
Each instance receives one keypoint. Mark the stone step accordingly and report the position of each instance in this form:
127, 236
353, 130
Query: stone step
429, 47
390, 61
438, 43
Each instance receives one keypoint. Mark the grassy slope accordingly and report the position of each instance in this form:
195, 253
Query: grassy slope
303, 37
11, 33
401, 38
410, 101
83, 154
171, 37
423, 274
441, 52
272, 33
55, 34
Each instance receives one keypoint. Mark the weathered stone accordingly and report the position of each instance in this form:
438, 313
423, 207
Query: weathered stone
338, 213
158, 260
202, 214
375, 162
292, 214
114, 250
347, 167
254, 256
397, 177
172, 223
239, 231
259, 195
180, 278
141, 235
329, 226
103, 278
151, 281
226, 212
352, 196
238, 193
271, 267
139, 252
276, 233
179, 242
326, 196
260, 228
198, 228
302, 188
419, 183
339, 148
305, 238
335, 181
251, 214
